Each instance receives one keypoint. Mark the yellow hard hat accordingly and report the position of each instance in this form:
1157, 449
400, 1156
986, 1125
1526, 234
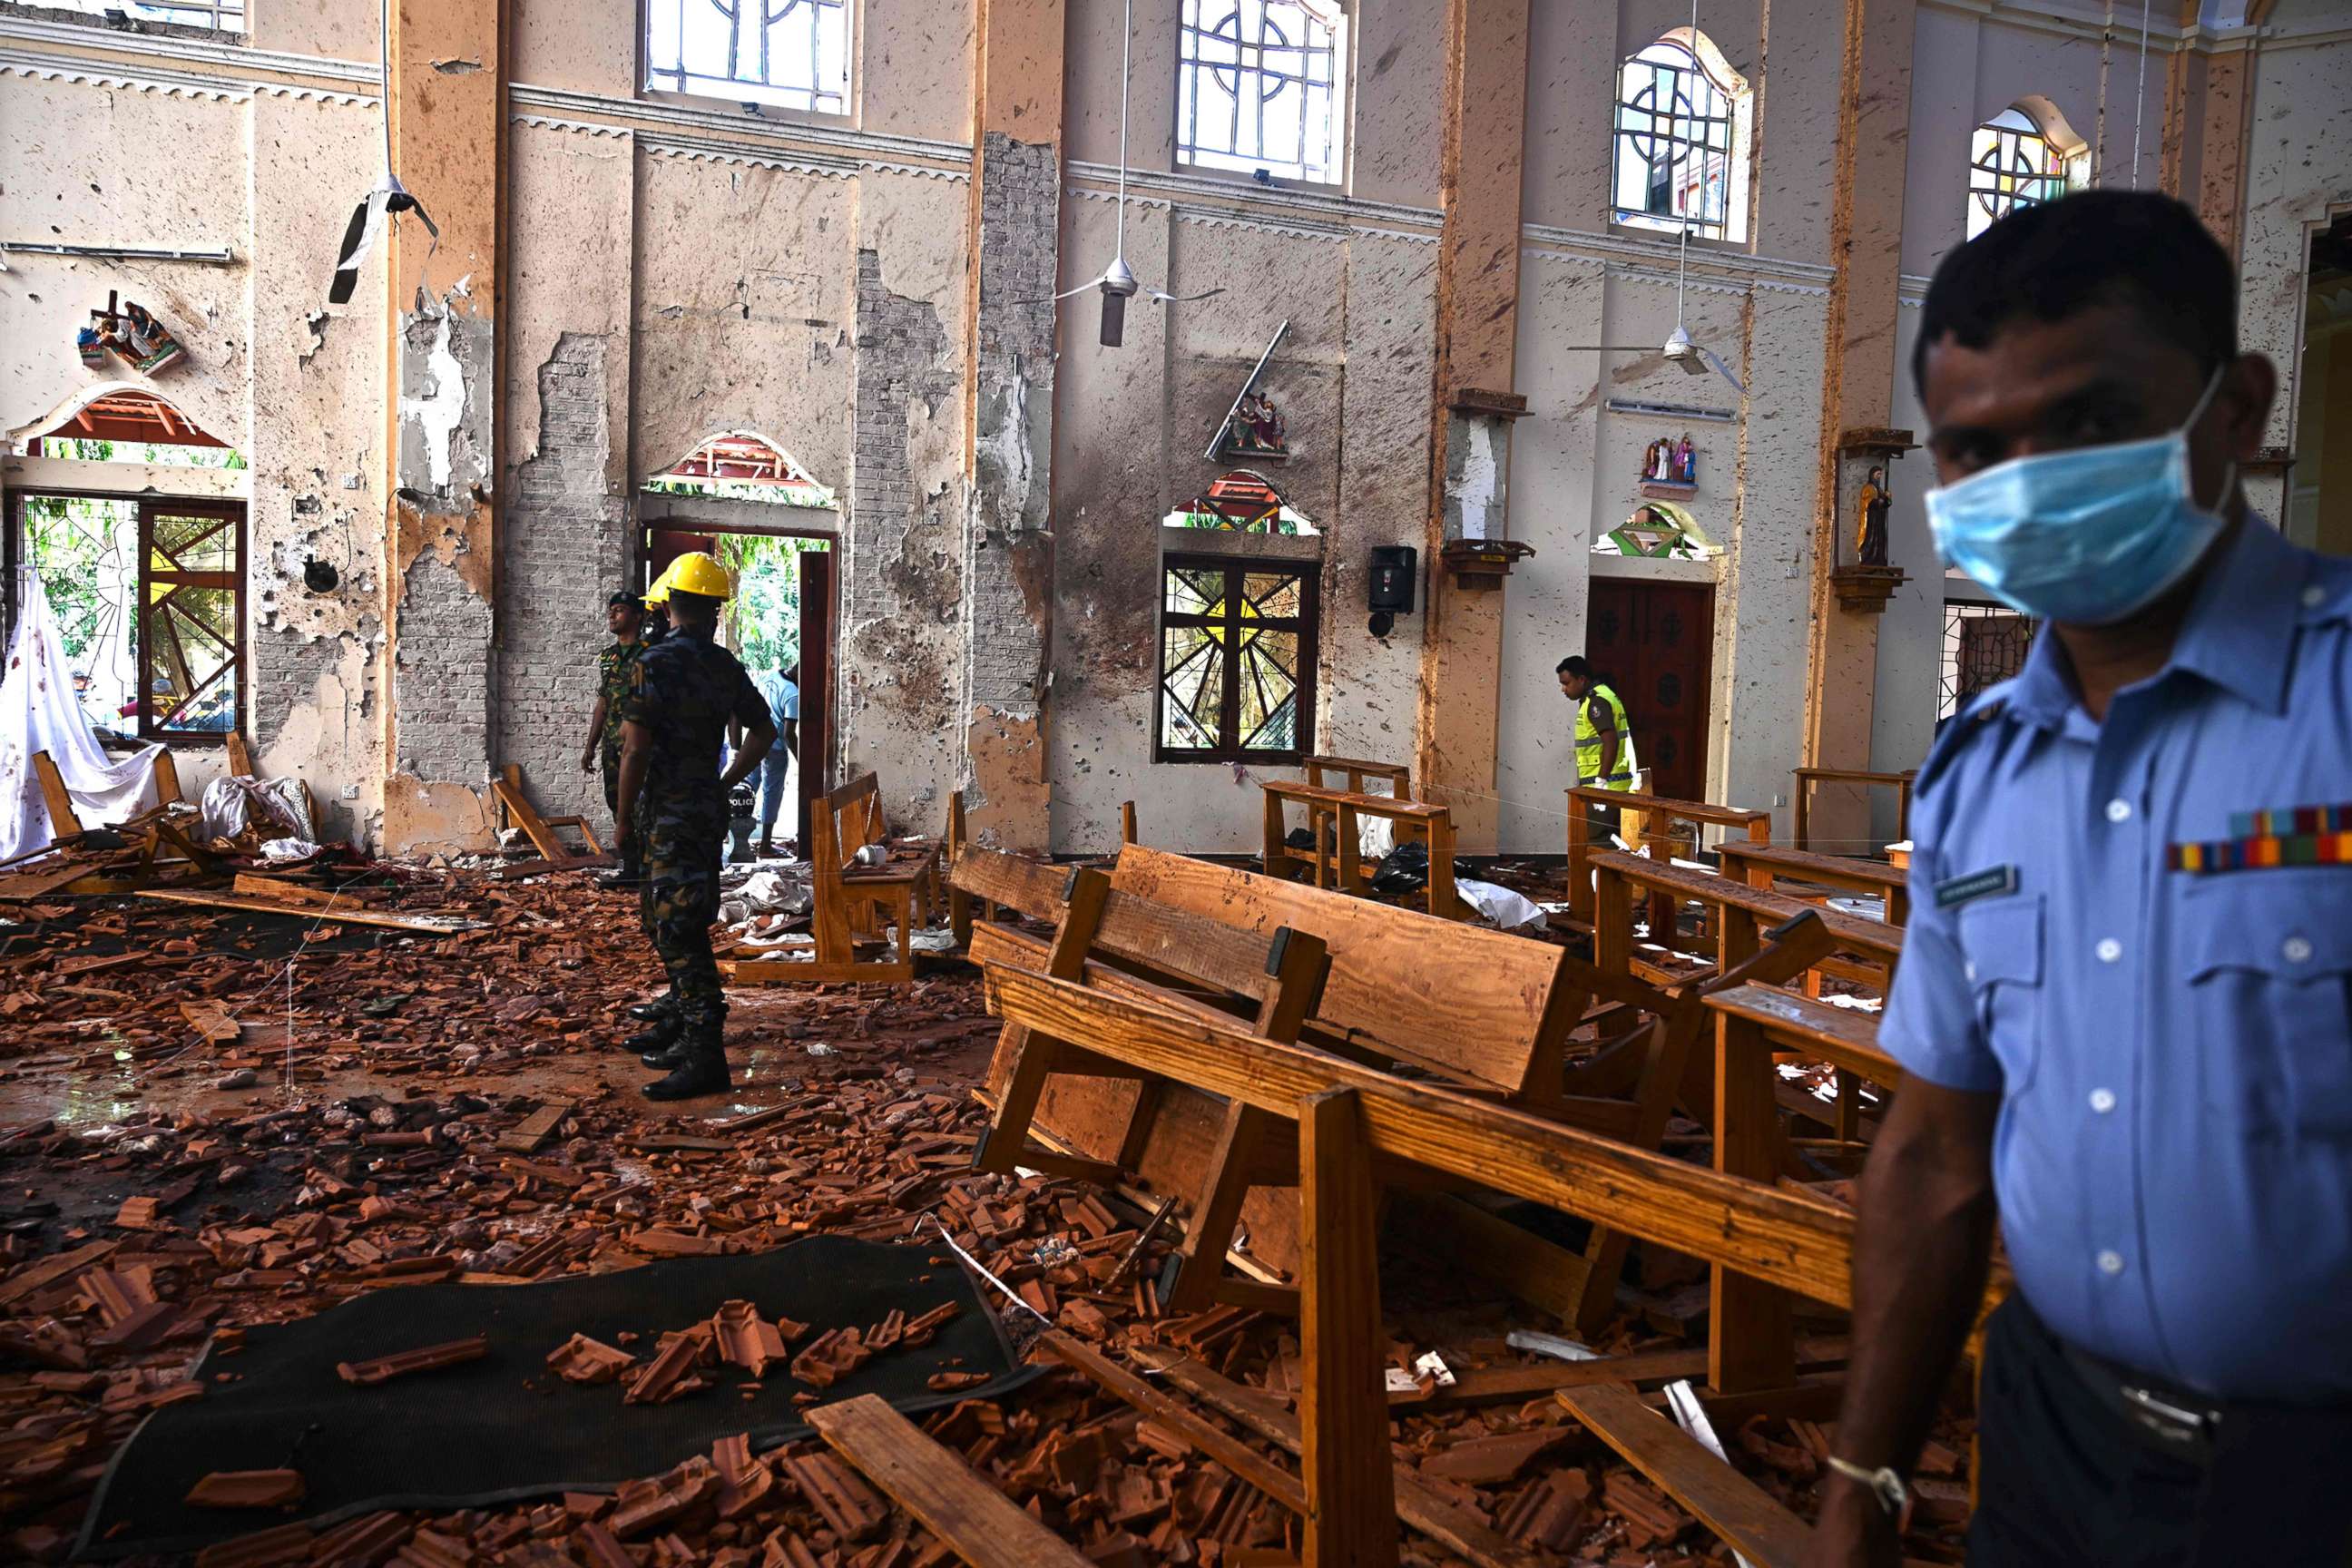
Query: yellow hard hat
697, 571
658, 595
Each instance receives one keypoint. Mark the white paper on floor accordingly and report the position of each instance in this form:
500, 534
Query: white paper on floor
39, 713
1501, 905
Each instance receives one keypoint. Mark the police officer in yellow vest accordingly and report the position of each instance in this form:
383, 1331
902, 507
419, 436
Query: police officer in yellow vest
1604, 741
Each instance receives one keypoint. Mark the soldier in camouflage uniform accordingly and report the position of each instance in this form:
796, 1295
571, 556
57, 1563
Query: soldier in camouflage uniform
673, 800
624, 616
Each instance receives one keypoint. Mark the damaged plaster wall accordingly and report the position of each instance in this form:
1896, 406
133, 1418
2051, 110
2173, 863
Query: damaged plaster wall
266, 172
1008, 546
902, 577
565, 413
2299, 174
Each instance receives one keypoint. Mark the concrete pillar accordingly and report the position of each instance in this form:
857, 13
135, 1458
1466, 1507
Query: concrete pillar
1477, 328
1857, 381
1008, 547
447, 103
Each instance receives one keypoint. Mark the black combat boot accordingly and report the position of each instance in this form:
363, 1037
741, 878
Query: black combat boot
657, 1042
701, 1071
653, 1012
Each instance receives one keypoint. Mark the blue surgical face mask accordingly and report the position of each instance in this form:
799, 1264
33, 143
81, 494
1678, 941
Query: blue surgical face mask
2087, 537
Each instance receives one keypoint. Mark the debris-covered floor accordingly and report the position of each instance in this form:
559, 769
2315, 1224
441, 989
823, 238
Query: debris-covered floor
210, 1120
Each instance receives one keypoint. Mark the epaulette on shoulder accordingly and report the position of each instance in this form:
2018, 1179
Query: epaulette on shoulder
1980, 714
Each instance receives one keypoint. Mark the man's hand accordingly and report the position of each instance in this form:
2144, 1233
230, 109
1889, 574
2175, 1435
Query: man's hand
1853, 1532
588, 761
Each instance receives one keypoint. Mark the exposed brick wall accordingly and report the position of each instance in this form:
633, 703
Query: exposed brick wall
902, 360
1006, 627
438, 676
566, 544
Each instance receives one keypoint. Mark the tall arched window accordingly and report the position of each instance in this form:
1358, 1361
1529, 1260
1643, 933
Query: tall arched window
1262, 87
1680, 158
2021, 157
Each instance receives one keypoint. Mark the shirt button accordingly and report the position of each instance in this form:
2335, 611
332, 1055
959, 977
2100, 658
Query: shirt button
2295, 950
2109, 950
2103, 1100
2119, 810
1969, 970
2312, 595
2111, 1262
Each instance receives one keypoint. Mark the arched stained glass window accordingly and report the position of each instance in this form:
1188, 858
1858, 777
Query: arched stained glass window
1680, 156
2017, 161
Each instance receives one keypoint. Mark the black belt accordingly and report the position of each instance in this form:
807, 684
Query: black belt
2170, 1419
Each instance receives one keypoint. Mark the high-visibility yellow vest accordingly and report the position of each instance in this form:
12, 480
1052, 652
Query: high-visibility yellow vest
1588, 742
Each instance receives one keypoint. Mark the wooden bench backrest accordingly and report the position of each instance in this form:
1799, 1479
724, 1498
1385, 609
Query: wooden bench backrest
1842, 1036
1672, 810
63, 821
856, 812
1355, 773
1436, 991
1155, 938
1804, 865
1872, 938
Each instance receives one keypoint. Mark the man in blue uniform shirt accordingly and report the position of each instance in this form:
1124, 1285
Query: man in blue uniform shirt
2122, 1004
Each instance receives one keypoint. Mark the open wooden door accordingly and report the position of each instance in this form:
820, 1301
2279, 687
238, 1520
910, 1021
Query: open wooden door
816, 684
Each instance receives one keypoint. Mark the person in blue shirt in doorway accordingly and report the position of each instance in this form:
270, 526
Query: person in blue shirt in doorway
781, 689
2122, 1008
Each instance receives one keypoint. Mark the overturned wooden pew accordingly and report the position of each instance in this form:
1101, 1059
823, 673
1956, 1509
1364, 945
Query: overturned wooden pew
1490, 1013
1870, 949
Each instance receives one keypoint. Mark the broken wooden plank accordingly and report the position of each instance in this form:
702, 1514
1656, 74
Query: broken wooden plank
427, 1358
427, 925
1735, 1508
979, 1524
534, 1130
1246, 1463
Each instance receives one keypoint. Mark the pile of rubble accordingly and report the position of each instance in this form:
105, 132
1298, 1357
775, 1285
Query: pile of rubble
416, 1139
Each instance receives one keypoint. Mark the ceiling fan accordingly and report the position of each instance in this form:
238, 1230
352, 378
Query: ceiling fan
386, 198
1117, 281
1678, 348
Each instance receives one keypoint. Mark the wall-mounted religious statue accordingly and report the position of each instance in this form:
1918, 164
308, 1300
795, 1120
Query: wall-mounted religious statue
1870, 532
130, 330
1257, 427
1671, 463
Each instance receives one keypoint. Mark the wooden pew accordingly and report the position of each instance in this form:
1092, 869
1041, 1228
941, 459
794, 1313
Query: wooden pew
506, 787
1655, 815
1806, 778
1353, 1119
1396, 993
847, 898
1338, 814
1739, 910
240, 758
1765, 865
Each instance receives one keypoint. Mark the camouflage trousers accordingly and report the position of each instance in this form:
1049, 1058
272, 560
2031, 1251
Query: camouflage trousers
676, 904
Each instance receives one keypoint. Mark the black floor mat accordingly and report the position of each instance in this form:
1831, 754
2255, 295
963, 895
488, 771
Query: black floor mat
505, 1426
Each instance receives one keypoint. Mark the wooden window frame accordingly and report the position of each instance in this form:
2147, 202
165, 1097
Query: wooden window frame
1306, 625
148, 508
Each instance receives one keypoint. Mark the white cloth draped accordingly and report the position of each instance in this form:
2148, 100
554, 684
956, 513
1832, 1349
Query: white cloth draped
39, 713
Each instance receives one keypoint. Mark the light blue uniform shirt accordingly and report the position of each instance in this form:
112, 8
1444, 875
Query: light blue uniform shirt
2173, 1156
784, 701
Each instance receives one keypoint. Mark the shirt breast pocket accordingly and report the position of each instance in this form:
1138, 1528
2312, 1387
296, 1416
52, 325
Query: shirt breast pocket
2001, 944
2269, 971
